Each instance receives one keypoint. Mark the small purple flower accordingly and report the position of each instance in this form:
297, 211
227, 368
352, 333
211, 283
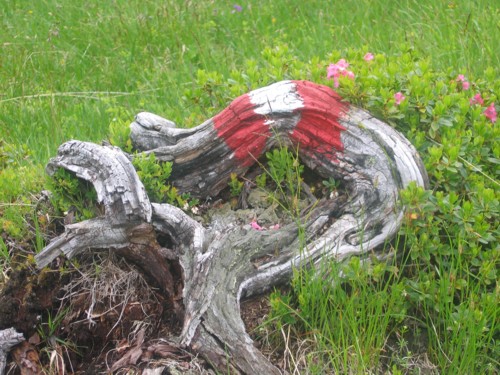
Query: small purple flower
237, 8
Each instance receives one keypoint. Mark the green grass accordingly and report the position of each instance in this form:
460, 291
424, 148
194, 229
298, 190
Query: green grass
71, 69
67, 68
346, 318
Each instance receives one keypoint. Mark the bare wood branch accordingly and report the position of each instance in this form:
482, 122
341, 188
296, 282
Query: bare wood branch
117, 185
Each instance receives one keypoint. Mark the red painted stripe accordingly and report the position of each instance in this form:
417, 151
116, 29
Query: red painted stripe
243, 130
318, 130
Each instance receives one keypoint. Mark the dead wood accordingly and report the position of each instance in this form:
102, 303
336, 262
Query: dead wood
227, 260
8, 339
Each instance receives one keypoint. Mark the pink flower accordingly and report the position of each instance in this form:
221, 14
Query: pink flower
332, 71
491, 113
368, 56
399, 97
255, 226
477, 99
339, 69
274, 227
465, 83
335, 70
342, 64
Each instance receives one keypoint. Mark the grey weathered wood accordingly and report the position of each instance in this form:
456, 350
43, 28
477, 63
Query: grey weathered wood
219, 262
8, 338
118, 187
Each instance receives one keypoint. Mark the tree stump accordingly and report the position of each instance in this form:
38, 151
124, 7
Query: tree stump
225, 261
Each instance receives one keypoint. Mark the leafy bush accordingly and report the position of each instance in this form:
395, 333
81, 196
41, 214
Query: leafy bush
235, 185
450, 239
119, 134
73, 196
154, 175
448, 246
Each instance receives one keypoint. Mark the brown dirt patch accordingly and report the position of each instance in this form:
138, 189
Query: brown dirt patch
95, 312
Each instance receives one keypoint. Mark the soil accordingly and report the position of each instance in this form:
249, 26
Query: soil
99, 330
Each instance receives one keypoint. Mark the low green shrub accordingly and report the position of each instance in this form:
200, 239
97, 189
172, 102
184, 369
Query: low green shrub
235, 185
446, 279
73, 196
155, 177
450, 239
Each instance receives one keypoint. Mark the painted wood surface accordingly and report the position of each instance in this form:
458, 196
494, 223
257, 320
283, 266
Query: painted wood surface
373, 161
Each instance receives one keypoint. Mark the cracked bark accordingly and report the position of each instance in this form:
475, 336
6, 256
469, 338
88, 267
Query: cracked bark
219, 263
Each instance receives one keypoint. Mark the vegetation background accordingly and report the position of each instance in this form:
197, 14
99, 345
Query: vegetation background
81, 70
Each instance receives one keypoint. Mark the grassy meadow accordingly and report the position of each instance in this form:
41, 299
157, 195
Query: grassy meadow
67, 68
81, 70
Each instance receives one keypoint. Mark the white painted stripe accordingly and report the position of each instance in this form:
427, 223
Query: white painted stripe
278, 97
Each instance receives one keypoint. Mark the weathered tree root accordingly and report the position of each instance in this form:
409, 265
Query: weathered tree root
8, 339
372, 160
